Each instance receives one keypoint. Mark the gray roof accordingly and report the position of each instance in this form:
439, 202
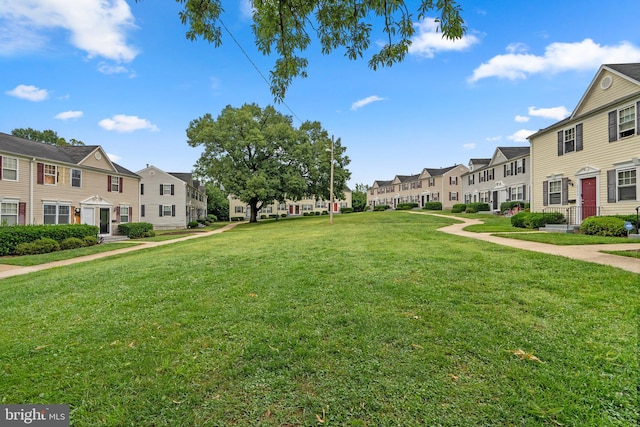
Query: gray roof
408, 178
513, 152
382, 183
629, 70
480, 161
71, 154
441, 171
188, 178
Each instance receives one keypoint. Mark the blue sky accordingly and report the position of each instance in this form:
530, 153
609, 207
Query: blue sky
123, 75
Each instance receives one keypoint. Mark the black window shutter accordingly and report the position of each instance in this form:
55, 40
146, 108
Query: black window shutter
173, 210
565, 191
130, 213
613, 125
142, 189
160, 210
579, 137
109, 183
172, 189
142, 211
611, 186
524, 192
120, 187
22, 213
560, 143
0, 167
161, 189
504, 172
523, 161
545, 193
637, 120
509, 193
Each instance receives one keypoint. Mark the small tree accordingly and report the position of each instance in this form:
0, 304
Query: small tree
359, 198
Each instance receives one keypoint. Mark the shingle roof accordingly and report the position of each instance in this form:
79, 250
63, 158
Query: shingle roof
480, 161
408, 178
513, 152
629, 70
441, 171
72, 154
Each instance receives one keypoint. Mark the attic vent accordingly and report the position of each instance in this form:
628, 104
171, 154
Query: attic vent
606, 82
152, 172
98, 156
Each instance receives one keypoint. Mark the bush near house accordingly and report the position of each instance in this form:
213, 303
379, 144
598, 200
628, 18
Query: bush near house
536, 219
603, 226
71, 243
432, 206
479, 206
135, 230
40, 246
192, 224
11, 237
380, 208
459, 207
506, 206
343, 210
406, 206
237, 218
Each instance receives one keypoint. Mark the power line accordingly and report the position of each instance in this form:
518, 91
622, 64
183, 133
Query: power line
256, 67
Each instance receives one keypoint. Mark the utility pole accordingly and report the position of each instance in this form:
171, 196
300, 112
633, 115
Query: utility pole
331, 186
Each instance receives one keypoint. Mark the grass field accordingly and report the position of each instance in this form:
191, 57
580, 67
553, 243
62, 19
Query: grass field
378, 320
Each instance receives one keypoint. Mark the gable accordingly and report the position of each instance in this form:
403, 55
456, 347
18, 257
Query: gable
98, 159
607, 87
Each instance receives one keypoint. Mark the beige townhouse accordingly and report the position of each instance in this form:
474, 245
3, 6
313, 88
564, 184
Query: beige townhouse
502, 178
431, 185
588, 163
170, 200
47, 184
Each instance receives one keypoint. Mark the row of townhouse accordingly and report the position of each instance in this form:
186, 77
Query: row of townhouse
238, 208
584, 165
431, 185
46, 184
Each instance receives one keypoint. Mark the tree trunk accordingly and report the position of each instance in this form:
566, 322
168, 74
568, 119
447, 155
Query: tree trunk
253, 204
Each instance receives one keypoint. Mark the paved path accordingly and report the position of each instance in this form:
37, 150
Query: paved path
590, 253
14, 270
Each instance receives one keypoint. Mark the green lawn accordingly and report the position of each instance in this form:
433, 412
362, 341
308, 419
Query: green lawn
28, 260
377, 320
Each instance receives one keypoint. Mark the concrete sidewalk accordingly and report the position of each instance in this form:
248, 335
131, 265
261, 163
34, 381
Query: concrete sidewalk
589, 253
15, 270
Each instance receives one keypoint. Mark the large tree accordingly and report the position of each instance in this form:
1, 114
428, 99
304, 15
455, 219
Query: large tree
46, 136
286, 27
259, 156
359, 198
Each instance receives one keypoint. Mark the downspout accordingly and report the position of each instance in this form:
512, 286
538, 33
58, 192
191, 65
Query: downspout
33, 161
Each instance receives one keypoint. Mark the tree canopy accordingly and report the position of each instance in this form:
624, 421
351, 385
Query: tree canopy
287, 26
259, 156
46, 136
359, 198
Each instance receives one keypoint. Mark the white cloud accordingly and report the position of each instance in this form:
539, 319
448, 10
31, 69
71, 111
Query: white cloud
428, 40
97, 27
114, 157
521, 135
29, 92
246, 9
493, 138
556, 113
123, 123
521, 119
66, 115
105, 68
470, 146
558, 57
368, 100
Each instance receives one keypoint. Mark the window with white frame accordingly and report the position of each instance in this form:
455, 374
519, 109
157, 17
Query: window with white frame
569, 140
56, 214
555, 192
627, 121
517, 193
8, 213
238, 209
453, 196
307, 207
282, 207
115, 184
266, 209
124, 213
626, 184
9, 169
166, 189
76, 178
321, 204
167, 210
50, 174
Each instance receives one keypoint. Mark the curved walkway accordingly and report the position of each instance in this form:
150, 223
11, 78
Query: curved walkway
589, 253
15, 270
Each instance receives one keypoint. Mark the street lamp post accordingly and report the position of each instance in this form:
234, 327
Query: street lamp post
331, 186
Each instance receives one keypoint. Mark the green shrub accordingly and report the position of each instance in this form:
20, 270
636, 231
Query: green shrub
134, 230
458, 208
12, 236
317, 213
406, 206
40, 246
433, 206
324, 213
536, 219
380, 208
285, 215
505, 206
603, 226
479, 206
193, 224
346, 210
89, 240
518, 219
237, 218
71, 243
212, 218
471, 209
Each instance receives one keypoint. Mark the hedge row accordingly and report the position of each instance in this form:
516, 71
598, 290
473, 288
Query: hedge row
46, 245
11, 237
605, 226
136, 230
470, 207
536, 219
406, 206
505, 206
433, 206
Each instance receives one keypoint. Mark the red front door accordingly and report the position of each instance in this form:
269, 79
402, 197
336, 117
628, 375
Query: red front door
589, 204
